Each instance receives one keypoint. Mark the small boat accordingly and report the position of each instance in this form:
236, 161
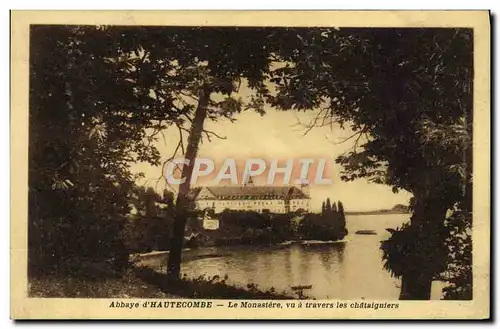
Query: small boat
366, 232
301, 287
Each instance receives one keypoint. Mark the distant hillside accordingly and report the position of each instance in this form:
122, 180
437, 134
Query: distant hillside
397, 209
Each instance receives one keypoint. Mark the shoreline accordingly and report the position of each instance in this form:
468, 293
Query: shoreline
280, 244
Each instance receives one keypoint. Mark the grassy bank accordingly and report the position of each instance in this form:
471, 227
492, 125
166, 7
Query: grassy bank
127, 286
208, 288
143, 282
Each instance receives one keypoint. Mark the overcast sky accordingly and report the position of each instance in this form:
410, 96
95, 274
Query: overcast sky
276, 135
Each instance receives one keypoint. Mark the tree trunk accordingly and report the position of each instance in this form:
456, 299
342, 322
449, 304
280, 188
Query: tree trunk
427, 221
416, 285
182, 202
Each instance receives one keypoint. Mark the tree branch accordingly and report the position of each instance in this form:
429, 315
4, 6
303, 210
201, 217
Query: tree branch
209, 133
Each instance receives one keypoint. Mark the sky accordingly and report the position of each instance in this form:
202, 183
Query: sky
280, 135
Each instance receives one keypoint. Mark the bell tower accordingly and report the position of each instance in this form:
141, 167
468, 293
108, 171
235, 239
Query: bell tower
304, 187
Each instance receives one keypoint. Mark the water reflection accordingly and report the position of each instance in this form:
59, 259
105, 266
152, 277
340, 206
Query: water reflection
351, 270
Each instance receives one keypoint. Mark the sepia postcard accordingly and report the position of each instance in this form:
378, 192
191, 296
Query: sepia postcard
250, 165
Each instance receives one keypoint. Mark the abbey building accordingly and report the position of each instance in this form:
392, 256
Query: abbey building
275, 199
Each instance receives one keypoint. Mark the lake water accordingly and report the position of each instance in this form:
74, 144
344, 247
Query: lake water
350, 270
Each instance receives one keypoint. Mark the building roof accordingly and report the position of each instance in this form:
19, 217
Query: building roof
248, 193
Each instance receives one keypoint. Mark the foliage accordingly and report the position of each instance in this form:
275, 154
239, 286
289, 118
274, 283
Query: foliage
401, 92
99, 97
88, 123
458, 272
409, 248
400, 208
407, 96
246, 219
149, 203
238, 227
195, 71
242, 227
451, 253
149, 228
143, 234
328, 225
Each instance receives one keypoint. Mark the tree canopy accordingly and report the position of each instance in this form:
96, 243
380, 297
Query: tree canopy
88, 123
407, 95
100, 96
